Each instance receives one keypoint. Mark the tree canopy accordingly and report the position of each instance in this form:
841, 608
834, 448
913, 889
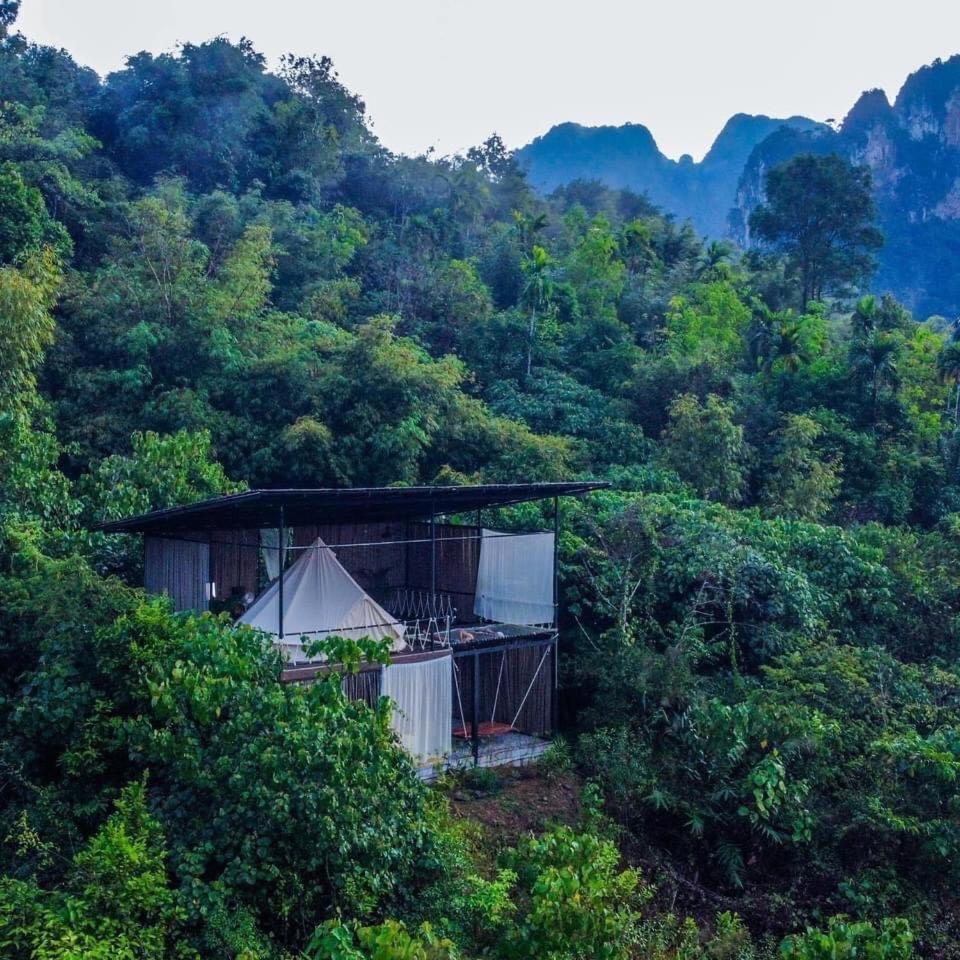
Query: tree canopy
819, 212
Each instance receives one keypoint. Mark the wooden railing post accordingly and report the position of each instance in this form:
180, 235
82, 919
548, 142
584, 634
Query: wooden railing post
475, 711
281, 536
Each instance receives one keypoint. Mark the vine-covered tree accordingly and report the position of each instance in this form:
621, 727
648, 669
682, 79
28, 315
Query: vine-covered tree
706, 448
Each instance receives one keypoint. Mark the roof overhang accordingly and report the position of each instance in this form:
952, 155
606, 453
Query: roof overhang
262, 508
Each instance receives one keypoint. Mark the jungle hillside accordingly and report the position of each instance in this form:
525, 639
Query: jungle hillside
213, 276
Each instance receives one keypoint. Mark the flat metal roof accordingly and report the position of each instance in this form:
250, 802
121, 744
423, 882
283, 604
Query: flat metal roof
261, 508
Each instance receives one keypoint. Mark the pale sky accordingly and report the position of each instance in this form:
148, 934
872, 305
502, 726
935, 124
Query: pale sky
447, 73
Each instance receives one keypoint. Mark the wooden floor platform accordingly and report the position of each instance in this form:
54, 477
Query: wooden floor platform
484, 731
510, 749
480, 635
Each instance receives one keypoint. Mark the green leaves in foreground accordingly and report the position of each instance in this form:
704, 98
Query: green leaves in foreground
114, 902
845, 939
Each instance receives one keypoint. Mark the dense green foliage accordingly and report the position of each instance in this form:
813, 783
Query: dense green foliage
115, 900
211, 276
775, 697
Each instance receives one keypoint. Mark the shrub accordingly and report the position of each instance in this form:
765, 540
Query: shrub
115, 900
481, 779
575, 901
389, 940
848, 940
556, 760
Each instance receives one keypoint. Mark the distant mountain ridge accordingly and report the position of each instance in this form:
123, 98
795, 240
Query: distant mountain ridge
628, 157
912, 147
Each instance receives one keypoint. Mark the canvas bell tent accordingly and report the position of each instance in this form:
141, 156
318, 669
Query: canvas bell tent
469, 608
320, 599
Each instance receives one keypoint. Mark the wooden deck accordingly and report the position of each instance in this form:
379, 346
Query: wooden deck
484, 635
511, 749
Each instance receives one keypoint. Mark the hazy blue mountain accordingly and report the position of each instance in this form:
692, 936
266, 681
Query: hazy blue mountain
628, 156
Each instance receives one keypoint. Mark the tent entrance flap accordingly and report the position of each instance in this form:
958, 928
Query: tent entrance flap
320, 599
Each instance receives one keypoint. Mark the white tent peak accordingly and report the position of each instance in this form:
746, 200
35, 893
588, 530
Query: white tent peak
320, 599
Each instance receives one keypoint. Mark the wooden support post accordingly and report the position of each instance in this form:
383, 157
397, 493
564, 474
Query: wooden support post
433, 555
475, 711
281, 537
555, 693
555, 704
433, 606
556, 537
477, 546
210, 586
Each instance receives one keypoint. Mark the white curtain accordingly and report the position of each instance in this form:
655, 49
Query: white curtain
515, 578
423, 704
272, 556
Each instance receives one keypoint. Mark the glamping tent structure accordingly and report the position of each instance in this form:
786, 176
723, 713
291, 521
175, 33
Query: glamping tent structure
320, 599
470, 611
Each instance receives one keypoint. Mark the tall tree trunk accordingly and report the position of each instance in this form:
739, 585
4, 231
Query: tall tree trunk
532, 332
805, 284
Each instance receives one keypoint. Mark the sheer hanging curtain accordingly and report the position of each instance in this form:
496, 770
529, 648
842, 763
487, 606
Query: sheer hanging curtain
178, 568
269, 542
423, 699
515, 579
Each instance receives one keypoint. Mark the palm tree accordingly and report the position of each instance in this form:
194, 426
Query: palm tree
863, 320
948, 365
790, 348
778, 336
874, 361
528, 228
536, 293
714, 262
761, 336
